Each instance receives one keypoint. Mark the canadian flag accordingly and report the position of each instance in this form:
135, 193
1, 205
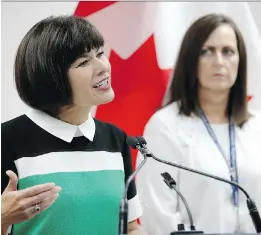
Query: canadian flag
142, 40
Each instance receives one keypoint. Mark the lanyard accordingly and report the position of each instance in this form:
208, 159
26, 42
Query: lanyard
232, 149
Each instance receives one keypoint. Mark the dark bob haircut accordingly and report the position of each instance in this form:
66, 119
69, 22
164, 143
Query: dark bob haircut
184, 85
44, 57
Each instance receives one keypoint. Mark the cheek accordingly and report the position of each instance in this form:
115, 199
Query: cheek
233, 68
203, 70
80, 81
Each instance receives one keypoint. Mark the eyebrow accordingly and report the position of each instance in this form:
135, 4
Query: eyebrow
213, 47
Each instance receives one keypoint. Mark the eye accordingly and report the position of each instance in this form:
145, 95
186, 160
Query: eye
228, 51
206, 51
100, 54
83, 63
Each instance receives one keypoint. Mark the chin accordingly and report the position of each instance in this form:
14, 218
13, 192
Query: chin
223, 88
106, 98
220, 86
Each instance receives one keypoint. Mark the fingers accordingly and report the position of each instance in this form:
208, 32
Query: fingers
35, 190
45, 204
13, 181
20, 204
48, 202
31, 201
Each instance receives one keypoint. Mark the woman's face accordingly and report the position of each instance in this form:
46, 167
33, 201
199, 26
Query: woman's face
219, 59
90, 79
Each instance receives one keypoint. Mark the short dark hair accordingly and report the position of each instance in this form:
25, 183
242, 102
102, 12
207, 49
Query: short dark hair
184, 85
44, 57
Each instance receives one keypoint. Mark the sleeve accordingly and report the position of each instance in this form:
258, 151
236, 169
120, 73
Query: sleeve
134, 204
7, 162
160, 214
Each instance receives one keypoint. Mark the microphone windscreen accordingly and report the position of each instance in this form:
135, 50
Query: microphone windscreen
132, 141
141, 140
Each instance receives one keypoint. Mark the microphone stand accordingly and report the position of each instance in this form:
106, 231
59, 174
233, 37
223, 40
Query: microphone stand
123, 221
171, 183
253, 212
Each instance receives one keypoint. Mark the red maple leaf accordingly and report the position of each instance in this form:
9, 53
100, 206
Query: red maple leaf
139, 85
85, 9
138, 82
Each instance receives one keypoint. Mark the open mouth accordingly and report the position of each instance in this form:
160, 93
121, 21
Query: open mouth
103, 83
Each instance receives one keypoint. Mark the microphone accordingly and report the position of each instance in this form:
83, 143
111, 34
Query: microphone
171, 183
123, 217
140, 144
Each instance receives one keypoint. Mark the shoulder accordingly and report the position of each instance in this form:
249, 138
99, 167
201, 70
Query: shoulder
14, 126
255, 115
109, 131
165, 117
114, 138
14, 123
167, 127
254, 122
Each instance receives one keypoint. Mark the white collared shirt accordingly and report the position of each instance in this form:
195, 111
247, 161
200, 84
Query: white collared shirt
61, 129
185, 140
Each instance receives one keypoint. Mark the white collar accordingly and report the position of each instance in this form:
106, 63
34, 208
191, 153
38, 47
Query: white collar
61, 129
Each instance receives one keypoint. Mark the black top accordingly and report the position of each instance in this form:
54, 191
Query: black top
88, 170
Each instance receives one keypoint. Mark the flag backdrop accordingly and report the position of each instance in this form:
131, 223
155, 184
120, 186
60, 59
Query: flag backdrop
142, 42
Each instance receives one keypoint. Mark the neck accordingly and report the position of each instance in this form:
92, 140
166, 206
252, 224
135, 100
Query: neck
74, 115
214, 104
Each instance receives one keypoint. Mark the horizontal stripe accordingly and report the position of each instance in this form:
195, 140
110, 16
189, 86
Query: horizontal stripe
69, 162
88, 204
135, 209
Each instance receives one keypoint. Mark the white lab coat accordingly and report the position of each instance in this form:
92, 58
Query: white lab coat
185, 140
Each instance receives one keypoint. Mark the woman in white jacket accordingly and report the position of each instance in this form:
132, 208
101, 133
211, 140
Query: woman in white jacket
205, 117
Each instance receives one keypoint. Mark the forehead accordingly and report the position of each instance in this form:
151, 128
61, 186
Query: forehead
224, 35
92, 52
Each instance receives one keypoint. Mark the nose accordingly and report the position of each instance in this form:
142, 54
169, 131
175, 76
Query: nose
102, 67
219, 59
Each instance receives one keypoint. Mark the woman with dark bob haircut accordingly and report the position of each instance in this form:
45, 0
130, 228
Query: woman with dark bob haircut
58, 148
205, 125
